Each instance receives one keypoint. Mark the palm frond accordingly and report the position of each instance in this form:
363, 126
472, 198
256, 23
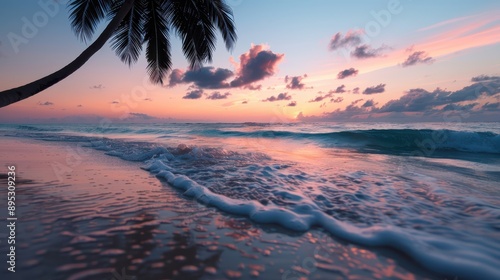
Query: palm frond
85, 15
222, 16
128, 38
149, 22
157, 43
195, 28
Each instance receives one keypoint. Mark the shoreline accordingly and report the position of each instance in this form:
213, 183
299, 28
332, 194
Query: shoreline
108, 216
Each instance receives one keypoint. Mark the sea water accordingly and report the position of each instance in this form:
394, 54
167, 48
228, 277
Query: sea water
428, 190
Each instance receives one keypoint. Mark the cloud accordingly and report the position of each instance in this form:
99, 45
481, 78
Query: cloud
295, 82
375, 89
356, 101
416, 100
140, 116
217, 95
484, 78
292, 104
175, 78
347, 73
79, 105
195, 94
244, 102
339, 89
446, 22
320, 97
350, 113
279, 97
477, 31
46, 103
351, 39
255, 65
457, 107
491, 106
208, 77
422, 105
99, 86
337, 100
368, 103
253, 87
355, 90
474, 91
366, 51
417, 57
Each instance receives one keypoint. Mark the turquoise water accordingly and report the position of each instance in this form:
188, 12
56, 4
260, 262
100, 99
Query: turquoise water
429, 191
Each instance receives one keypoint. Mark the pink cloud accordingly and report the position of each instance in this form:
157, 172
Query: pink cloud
255, 65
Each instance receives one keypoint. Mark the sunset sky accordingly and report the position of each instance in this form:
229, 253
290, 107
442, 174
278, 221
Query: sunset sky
294, 60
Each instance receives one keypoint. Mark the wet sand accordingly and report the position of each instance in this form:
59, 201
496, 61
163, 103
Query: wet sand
85, 215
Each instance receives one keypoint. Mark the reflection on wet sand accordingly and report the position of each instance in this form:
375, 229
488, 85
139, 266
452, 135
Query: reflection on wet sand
118, 222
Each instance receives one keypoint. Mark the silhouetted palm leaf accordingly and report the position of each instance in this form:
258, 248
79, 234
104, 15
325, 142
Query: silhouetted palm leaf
222, 17
129, 37
149, 22
86, 14
195, 30
157, 43
137, 22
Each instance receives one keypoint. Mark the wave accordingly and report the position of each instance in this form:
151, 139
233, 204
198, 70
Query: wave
422, 142
269, 193
359, 207
417, 142
38, 129
301, 214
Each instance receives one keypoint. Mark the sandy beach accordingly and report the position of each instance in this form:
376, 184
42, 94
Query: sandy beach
85, 215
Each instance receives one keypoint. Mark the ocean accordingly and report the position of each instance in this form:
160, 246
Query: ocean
429, 191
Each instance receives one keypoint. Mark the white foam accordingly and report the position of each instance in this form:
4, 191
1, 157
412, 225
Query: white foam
253, 186
140, 156
447, 257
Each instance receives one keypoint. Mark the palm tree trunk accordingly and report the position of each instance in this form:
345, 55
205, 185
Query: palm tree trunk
17, 94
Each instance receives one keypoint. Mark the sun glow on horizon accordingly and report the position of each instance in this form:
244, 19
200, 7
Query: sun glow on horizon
268, 75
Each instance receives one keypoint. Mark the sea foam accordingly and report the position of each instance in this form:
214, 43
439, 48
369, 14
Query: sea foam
439, 254
414, 212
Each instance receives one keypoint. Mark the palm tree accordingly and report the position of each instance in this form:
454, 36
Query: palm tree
137, 23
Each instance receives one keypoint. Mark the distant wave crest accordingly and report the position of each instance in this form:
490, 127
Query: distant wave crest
418, 142
34, 128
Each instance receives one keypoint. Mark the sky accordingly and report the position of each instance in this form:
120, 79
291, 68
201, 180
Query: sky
318, 60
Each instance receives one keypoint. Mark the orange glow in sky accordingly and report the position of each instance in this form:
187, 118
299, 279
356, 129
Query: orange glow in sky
272, 74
